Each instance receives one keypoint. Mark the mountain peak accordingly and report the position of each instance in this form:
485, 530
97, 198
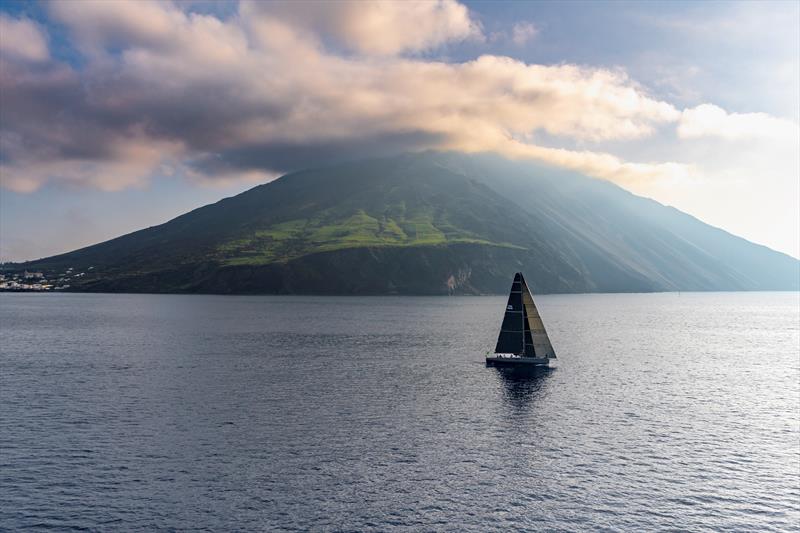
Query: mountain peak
430, 223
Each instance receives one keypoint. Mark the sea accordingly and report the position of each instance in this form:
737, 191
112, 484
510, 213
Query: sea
663, 412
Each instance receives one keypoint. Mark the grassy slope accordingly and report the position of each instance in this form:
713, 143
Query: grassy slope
328, 232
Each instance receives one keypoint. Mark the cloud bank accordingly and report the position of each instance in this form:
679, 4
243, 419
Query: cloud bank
708, 120
280, 86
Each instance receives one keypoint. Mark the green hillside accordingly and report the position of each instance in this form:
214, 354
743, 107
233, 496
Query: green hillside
331, 230
428, 223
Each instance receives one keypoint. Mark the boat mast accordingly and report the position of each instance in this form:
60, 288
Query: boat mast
522, 313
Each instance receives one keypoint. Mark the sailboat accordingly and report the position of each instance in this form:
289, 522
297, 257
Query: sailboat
523, 339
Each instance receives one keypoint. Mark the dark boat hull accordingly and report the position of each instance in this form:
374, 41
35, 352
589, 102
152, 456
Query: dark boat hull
517, 361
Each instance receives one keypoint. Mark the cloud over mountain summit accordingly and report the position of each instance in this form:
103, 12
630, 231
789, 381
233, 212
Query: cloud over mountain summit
154, 88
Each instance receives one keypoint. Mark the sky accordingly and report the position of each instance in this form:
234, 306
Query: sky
117, 115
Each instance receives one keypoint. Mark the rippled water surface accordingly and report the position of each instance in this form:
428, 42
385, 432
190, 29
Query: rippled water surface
146, 412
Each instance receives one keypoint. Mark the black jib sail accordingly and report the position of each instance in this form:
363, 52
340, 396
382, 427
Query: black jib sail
522, 332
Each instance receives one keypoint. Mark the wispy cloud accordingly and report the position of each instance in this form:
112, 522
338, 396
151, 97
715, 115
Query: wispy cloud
522, 32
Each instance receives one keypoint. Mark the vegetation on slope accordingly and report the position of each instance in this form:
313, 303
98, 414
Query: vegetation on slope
326, 232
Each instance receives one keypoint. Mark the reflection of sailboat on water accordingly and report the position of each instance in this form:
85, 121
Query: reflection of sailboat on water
523, 340
522, 384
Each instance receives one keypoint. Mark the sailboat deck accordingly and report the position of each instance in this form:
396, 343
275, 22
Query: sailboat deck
511, 360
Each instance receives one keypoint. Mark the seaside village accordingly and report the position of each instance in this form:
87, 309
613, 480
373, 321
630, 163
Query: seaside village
37, 281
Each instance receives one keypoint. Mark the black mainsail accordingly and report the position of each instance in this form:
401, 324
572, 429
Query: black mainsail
522, 332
